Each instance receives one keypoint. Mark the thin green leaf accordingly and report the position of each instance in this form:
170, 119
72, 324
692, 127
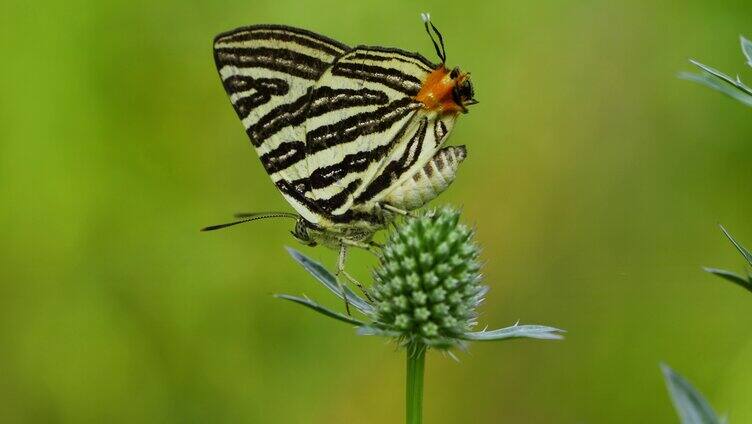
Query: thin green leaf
330, 281
730, 276
689, 403
367, 330
720, 75
320, 309
746, 253
709, 81
747, 49
517, 331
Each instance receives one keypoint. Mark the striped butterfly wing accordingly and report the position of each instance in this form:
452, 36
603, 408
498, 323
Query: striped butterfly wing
417, 150
350, 144
359, 154
268, 72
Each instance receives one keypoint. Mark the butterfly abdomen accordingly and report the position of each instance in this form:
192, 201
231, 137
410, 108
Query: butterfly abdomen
428, 182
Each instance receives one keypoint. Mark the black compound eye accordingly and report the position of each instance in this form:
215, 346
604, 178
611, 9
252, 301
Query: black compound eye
301, 232
455, 73
457, 95
466, 90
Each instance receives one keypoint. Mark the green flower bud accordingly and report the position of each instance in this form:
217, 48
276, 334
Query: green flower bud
428, 284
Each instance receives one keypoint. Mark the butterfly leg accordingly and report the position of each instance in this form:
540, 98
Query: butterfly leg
370, 246
341, 269
396, 210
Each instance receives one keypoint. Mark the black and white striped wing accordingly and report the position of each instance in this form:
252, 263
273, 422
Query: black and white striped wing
350, 141
413, 151
268, 71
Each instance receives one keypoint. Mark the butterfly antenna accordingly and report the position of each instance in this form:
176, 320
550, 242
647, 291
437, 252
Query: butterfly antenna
248, 217
266, 215
440, 48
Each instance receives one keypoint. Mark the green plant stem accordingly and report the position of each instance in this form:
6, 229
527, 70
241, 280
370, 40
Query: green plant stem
416, 361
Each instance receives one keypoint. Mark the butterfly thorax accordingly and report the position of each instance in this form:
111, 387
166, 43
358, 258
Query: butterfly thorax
332, 235
446, 91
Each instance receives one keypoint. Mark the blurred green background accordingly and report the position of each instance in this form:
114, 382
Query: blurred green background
595, 179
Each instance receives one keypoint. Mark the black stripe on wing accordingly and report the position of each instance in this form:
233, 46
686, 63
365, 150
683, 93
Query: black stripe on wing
383, 54
244, 58
396, 168
351, 128
282, 60
284, 156
339, 199
322, 100
345, 218
439, 131
355, 162
389, 77
263, 90
393, 68
285, 34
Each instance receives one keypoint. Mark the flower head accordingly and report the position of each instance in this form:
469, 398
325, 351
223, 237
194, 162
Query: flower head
427, 286
428, 283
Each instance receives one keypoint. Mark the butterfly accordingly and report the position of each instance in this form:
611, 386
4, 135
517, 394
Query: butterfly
351, 136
